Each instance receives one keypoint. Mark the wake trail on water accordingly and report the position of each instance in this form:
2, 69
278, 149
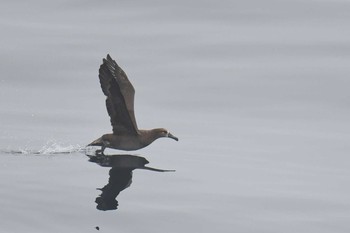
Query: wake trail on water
50, 148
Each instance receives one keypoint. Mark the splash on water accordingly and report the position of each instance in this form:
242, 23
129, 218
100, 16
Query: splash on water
57, 148
50, 147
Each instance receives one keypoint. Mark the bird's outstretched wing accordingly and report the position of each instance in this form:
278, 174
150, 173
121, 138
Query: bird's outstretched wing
120, 97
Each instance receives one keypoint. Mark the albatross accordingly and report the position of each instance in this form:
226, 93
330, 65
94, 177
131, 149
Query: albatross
120, 107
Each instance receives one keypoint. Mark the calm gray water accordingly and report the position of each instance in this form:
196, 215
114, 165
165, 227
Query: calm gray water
257, 92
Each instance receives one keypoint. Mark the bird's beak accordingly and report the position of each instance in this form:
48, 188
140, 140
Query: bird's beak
97, 142
173, 137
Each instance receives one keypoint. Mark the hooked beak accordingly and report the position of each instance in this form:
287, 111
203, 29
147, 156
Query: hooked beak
97, 142
173, 137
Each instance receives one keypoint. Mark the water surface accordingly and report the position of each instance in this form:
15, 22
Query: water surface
257, 92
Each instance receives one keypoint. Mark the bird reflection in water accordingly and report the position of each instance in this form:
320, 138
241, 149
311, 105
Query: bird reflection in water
120, 176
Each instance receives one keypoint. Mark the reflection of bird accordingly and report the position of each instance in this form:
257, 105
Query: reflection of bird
119, 179
120, 106
120, 176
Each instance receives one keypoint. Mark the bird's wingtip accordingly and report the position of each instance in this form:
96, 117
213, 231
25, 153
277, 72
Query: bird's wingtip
109, 57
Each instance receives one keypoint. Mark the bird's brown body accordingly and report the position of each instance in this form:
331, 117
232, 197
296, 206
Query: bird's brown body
128, 142
120, 106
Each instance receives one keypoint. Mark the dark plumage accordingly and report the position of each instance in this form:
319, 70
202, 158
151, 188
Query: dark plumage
120, 107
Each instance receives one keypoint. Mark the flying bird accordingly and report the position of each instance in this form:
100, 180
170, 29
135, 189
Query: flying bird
120, 107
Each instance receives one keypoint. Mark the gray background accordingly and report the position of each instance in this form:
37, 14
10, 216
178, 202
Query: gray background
257, 92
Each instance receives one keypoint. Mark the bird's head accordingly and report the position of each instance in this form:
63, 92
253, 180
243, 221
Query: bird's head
164, 133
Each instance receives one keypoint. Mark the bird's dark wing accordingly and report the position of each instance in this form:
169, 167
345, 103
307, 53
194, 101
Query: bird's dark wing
120, 97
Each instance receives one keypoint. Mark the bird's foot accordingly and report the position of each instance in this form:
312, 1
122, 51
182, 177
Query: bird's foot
99, 152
